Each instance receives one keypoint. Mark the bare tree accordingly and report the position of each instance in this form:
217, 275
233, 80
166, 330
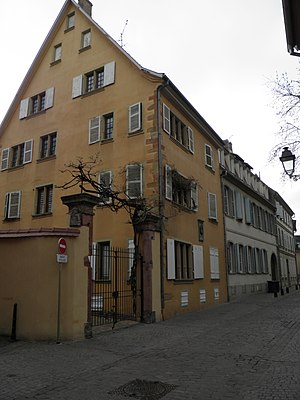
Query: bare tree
286, 93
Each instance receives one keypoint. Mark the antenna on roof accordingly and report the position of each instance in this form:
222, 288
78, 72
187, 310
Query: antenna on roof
122, 33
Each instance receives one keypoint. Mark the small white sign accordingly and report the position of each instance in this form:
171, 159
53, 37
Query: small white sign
62, 258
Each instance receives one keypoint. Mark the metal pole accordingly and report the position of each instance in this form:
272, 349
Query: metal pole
58, 305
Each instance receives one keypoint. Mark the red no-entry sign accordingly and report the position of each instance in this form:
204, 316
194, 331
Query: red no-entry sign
62, 246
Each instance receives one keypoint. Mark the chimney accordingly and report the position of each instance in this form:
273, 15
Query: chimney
86, 5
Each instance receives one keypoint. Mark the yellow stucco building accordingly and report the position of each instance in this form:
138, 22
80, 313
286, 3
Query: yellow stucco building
82, 97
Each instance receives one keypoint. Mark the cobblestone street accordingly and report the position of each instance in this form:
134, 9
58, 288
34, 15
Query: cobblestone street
246, 350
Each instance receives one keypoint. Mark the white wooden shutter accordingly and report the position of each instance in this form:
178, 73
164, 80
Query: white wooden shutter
28, 146
14, 203
212, 206
194, 196
247, 210
214, 263
190, 139
131, 251
209, 156
171, 273
94, 130
105, 178
109, 73
24, 108
6, 205
134, 116
166, 119
93, 260
198, 262
77, 86
238, 205
49, 98
168, 181
4, 159
134, 180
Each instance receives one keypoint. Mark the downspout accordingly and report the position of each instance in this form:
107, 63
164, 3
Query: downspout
161, 197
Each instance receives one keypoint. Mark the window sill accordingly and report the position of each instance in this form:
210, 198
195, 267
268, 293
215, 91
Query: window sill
181, 145
183, 281
41, 160
97, 90
10, 169
211, 169
83, 49
35, 216
213, 220
35, 114
69, 29
11, 219
135, 133
55, 62
182, 207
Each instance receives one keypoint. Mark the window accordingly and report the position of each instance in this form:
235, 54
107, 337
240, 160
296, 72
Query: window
134, 181
17, 156
44, 200
184, 261
94, 130
12, 205
37, 103
229, 206
239, 207
177, 129
100, 261
48, 145
212, 206
214, 263
184, 298
209, 161
232, 259
57, 52
86, 39
105, 181
101, 128
71, 21
180, 190
135, 117
93, 80
108, 126
200, 230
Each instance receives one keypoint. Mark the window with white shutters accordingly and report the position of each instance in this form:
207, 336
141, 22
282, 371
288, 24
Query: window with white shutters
105, 181
180, 190
198, 262
214, 263
135, 117
134, 181
180, 261
93, 80
37, 103
239, 206
212, 206
166, 119
4, 159
209, 161
44, 200
12, 205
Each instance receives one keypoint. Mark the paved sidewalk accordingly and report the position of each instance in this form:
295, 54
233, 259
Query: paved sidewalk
244, 350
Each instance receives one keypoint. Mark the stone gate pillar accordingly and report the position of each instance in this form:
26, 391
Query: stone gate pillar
81, 214
146, 229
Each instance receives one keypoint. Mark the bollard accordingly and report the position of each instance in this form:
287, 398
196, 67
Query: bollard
287, 290
281, 292
296, 287
275, 294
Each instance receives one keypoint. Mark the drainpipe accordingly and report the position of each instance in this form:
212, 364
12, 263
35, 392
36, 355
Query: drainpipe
161, 197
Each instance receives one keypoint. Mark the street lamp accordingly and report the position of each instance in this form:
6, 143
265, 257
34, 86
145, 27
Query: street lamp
288, 161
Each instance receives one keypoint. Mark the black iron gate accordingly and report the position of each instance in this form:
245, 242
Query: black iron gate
116, 285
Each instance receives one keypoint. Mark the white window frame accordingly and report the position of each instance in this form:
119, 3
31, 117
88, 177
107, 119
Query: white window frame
135, 117
212, 201
5, 159
101, 175
134, 181
8, 214
166, 119
209, 160
214, 263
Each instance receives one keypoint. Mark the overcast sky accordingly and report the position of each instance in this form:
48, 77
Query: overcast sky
219, 53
